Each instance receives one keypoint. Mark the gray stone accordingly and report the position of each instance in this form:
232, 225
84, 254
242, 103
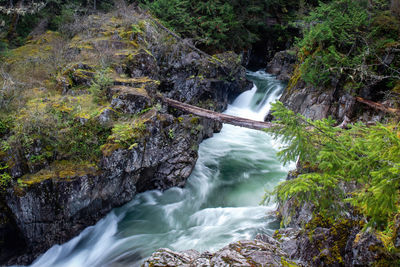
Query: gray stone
241, 253
282, 64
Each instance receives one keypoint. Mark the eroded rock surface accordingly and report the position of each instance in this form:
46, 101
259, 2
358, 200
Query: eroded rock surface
242, 253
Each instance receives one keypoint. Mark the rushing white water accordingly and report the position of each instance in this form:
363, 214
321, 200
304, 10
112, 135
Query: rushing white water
219, 204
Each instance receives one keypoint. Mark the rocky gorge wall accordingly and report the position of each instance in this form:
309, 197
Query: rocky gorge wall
51, 202
315, 102
305, 238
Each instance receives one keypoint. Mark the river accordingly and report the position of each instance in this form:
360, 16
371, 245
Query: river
219, 204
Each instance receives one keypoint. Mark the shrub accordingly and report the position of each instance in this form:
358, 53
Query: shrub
102, 81
126, 134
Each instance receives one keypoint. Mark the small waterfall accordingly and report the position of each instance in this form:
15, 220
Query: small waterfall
219, 204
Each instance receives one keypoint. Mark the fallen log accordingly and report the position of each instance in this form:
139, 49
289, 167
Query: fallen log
224, 118
378, 106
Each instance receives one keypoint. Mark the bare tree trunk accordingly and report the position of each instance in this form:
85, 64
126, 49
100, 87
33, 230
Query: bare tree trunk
224, 118
378, 106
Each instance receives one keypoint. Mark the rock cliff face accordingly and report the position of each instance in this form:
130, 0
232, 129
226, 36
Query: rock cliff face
316, 103
56, 209
53, 201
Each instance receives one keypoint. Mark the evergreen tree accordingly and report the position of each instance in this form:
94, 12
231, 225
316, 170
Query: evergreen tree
368, 158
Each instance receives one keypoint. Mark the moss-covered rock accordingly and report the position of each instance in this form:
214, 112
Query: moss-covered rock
73, 75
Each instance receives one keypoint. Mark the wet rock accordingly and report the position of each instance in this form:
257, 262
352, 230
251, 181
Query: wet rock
169, 153
294, 215
167, 257
12, 243
55, 210
241, 253
310, 102
282, 65
346, 106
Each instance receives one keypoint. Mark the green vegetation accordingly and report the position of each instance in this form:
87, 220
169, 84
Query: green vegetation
55, 95
224, 25
57, 127
62, 169
16, 24
355, 170
100, 83
5, 178
126, 134
350, 42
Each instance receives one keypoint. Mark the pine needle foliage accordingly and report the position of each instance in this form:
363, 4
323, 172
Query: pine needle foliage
220, 25
354, 170
345, 40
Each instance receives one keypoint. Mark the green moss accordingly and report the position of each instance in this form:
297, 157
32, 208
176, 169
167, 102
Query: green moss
339, 232
40, 47
109, 148
194, 120
277, 235
287, 263
60, 170
127, 134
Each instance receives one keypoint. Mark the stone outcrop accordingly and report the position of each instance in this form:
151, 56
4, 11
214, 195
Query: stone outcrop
54, 201
337, 246
194, 79
282, 65
258, 252
315, 102
313, 240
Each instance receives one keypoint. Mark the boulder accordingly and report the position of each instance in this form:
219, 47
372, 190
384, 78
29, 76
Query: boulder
282, 64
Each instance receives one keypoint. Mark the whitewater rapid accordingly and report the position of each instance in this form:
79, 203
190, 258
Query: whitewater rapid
219, 204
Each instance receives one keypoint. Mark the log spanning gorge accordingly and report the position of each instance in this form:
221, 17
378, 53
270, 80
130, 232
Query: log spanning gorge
218, 205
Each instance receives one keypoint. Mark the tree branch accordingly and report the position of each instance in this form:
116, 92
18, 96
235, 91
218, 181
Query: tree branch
378, 106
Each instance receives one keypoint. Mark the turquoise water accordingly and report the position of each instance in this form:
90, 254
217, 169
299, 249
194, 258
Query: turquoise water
219, 204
